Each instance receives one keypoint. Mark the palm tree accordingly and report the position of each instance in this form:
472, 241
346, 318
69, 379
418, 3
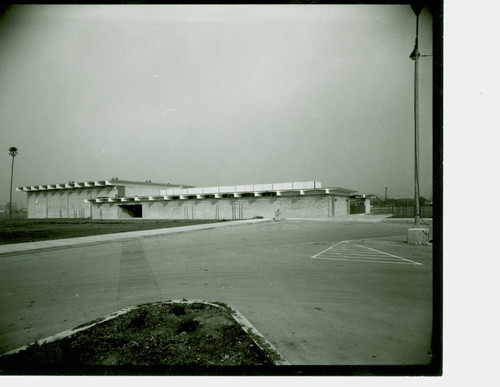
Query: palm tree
13, 152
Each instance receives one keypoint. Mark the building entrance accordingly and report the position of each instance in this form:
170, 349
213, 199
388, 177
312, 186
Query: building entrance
130, 211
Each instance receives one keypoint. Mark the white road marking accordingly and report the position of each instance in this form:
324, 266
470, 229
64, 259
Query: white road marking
395, 256
331, 247
350, 251
364, 260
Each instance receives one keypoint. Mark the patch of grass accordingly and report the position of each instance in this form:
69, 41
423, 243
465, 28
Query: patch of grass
32, 230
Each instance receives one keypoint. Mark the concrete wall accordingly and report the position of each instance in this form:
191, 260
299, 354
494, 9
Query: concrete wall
314, 206
37, 204
143, 190
317, 206
48, 204
77, 208
104, 211
71, 203
65, 203
229, 208
57, 204
341, 206
108, 192
367, 206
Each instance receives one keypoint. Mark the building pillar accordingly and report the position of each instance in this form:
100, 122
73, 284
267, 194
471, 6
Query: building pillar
367, 206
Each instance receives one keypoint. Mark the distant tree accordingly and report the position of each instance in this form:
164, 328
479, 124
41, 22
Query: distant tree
4, 209
17, 211
13, 152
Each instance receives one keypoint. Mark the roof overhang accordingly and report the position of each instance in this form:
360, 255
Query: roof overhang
68, 185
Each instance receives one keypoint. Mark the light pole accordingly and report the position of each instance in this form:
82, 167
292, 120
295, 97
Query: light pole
417, 234
13, 153
417, 8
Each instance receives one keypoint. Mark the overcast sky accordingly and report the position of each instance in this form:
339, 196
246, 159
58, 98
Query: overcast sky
214, 95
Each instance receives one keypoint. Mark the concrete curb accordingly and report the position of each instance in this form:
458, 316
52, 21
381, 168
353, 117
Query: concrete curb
408, 220
21, 248
258, 338
254, 334
364, 218
69, 332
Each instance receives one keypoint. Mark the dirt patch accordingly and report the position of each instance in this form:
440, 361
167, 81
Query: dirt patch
158, 334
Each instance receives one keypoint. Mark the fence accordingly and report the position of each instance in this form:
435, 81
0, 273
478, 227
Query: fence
402, 211
16, 214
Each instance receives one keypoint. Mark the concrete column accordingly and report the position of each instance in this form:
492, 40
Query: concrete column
367, 206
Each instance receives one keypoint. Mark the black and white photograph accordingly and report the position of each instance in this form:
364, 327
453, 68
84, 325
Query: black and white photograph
221, 190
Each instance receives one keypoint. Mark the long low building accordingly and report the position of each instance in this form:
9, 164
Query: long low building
121, 199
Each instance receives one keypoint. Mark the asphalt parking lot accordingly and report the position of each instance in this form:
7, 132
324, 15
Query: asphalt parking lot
323, 293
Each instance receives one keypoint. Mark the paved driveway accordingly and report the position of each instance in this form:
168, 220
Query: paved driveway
368, 303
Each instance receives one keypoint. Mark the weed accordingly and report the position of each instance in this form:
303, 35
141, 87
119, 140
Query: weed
178, 309
139, 320
184, 340
188, 326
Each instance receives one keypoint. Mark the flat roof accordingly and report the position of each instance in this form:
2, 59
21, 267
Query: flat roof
185, 190
119, 181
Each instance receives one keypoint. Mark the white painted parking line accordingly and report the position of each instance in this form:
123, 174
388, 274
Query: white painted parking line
365, 260
331, 247
395, 256
349, 251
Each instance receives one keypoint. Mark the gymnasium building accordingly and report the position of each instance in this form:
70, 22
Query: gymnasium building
123, 199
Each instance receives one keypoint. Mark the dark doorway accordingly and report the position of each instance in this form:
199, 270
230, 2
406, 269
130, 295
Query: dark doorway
130, 211
356, 207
